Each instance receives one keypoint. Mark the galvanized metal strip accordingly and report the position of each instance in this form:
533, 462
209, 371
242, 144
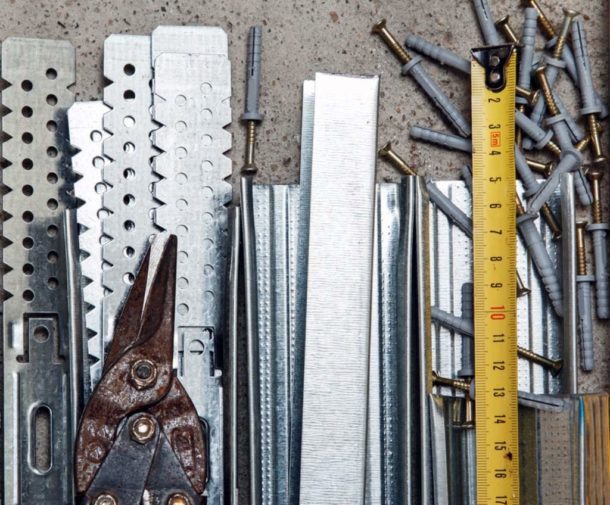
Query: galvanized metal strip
128, 225
276, 224
87, 135
339, 290
451, 261
192, 89
37, 365
297, 353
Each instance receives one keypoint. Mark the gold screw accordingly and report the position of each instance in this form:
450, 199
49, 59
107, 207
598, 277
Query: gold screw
105, 499
552, 365
598, 156
581, 253
551, 220
570, 14
594, 174
545, 25
250, 165
547, 92
178, 499
143, 429
381, 30
545, 169
143, 374
583, 144
437, 380
531, 96
388, 153
507, 30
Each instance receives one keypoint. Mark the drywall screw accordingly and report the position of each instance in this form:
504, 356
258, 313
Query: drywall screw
507, 30
599, 230
442, 55
545, 25
387, 152
585, 318
454, 213
461, 385
530, 96
540, 256
413, 67
443, 139
467, 304
252, 115
545, 169
488, 28
553, 365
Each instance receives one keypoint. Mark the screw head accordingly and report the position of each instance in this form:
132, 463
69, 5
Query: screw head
570, 13
143, 373
105, 499
503, 21
379, 26
385, 150
143, 429
178, 499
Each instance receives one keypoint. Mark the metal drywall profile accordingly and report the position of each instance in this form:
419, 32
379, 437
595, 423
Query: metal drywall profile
340, 260
298, 344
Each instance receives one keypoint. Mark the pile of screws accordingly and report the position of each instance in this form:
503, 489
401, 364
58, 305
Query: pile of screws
544, 125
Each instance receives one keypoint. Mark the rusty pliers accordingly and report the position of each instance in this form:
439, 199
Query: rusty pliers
140, 439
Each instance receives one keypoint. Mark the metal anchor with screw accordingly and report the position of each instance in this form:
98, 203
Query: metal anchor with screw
413, 67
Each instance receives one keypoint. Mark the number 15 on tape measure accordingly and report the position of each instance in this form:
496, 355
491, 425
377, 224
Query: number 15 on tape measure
495, 258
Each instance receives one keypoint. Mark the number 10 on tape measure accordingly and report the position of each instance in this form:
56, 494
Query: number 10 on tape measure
495, 255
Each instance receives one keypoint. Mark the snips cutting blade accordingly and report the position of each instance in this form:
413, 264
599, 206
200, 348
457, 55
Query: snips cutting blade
140, 419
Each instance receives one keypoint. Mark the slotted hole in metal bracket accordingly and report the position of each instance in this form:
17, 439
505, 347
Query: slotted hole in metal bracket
41, 448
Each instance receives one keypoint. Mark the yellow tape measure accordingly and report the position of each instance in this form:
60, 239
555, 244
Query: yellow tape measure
495, 260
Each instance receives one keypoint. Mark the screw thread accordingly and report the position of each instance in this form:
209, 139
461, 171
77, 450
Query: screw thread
545, 25
250, 145
596, 146
538, 359
554, 148
547, 92
596, 211
583, 144
563, 36
581, 254
551, 221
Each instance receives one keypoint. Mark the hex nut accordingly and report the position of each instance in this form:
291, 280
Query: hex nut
143, 374
143, 429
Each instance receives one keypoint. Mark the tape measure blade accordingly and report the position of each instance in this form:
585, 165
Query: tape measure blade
495, 259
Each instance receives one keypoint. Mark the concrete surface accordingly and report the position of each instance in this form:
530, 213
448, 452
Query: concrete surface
301, 37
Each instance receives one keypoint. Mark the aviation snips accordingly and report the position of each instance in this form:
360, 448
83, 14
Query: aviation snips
140, 440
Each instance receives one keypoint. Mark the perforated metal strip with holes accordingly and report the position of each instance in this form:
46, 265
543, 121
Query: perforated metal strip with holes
87, 135
128, 177
36, 327
192, 88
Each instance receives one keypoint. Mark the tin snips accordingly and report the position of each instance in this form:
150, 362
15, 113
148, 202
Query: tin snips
140, 440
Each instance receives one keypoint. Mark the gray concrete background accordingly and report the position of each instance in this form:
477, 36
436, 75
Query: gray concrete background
301, 37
